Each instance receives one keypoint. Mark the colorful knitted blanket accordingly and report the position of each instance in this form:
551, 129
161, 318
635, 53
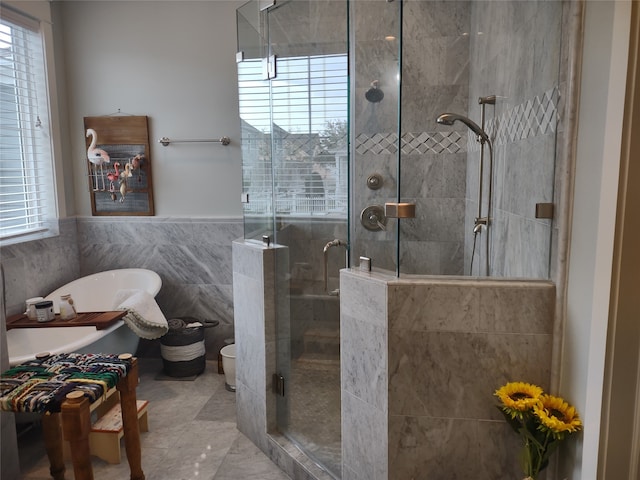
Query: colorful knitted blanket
41, 385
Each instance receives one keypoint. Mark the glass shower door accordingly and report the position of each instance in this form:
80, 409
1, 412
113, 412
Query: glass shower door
307, 65
308, 40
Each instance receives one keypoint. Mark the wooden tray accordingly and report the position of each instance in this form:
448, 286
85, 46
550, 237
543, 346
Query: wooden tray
100, 320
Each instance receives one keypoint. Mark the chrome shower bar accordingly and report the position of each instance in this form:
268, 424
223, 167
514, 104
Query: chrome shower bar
223, 140
481, 222
486, 221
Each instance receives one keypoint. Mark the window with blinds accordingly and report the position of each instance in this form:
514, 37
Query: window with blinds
295, 128
26, 176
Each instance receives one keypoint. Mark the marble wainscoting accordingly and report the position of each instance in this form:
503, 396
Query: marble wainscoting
421, 359
36, 268
191, 255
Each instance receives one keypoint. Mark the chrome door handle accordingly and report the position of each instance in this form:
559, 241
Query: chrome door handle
325, 251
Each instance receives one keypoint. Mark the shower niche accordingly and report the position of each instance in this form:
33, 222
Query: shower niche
348, 106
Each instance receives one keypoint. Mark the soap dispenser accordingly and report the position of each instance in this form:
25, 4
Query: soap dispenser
67, 309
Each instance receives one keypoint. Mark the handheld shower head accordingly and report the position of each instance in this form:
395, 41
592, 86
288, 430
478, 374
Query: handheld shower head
451, 118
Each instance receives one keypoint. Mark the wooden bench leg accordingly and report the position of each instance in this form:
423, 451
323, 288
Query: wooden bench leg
52, 433
76, 423
127, 388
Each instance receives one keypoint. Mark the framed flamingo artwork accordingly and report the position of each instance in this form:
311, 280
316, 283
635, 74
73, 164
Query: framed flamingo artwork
119, 165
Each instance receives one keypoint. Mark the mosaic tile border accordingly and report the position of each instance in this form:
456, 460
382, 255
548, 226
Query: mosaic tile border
412, 143
535, 117
538, 116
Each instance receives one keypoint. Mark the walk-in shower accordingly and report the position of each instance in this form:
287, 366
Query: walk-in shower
331, 163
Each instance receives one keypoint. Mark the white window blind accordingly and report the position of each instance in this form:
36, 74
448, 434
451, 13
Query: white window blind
26, 176
295, 129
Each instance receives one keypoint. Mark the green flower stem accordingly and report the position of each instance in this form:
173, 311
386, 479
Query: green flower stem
544, 450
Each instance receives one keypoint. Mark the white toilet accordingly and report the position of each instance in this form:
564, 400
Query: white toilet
229, 366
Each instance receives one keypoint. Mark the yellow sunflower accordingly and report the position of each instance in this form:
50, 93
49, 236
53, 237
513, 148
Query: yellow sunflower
557, 416
519, 396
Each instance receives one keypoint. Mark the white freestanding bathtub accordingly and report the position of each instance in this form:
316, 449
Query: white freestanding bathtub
93, 293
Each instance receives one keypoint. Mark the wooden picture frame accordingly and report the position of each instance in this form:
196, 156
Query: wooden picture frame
119, 165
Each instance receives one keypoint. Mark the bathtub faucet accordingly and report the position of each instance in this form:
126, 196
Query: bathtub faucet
325, 251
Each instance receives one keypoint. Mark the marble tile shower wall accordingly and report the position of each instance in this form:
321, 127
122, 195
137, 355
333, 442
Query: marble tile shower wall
421, 361
373, 59
435, 77
516, 58
453, 53
450, 346
307, 305
306, 240
364, 369
192, 256
254, 293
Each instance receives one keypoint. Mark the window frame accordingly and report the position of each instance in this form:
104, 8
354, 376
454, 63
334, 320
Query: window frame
41, 182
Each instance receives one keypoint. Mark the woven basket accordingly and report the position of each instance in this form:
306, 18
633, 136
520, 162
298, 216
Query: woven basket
182, 349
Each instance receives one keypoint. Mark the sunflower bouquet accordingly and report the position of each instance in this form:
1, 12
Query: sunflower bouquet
543, 421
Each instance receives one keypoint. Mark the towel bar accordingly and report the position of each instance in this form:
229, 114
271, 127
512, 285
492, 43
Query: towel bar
165, 141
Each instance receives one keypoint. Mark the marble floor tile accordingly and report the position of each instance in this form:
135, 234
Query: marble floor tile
192, 435
245, 460
314, 419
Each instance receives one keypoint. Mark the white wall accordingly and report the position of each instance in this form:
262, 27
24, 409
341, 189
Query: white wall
620, 434
173, 61
603, 81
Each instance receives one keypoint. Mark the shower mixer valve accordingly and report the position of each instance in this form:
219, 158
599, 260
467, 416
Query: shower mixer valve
373, 218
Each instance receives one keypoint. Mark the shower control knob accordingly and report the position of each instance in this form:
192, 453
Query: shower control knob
373, 218
374, 181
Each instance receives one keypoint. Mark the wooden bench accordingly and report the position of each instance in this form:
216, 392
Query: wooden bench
38, 385
73, 424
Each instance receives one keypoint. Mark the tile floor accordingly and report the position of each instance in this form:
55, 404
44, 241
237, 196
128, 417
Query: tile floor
192, 435
314, 404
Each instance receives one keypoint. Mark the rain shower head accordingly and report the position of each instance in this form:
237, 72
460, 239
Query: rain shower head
451, 118
374, 94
